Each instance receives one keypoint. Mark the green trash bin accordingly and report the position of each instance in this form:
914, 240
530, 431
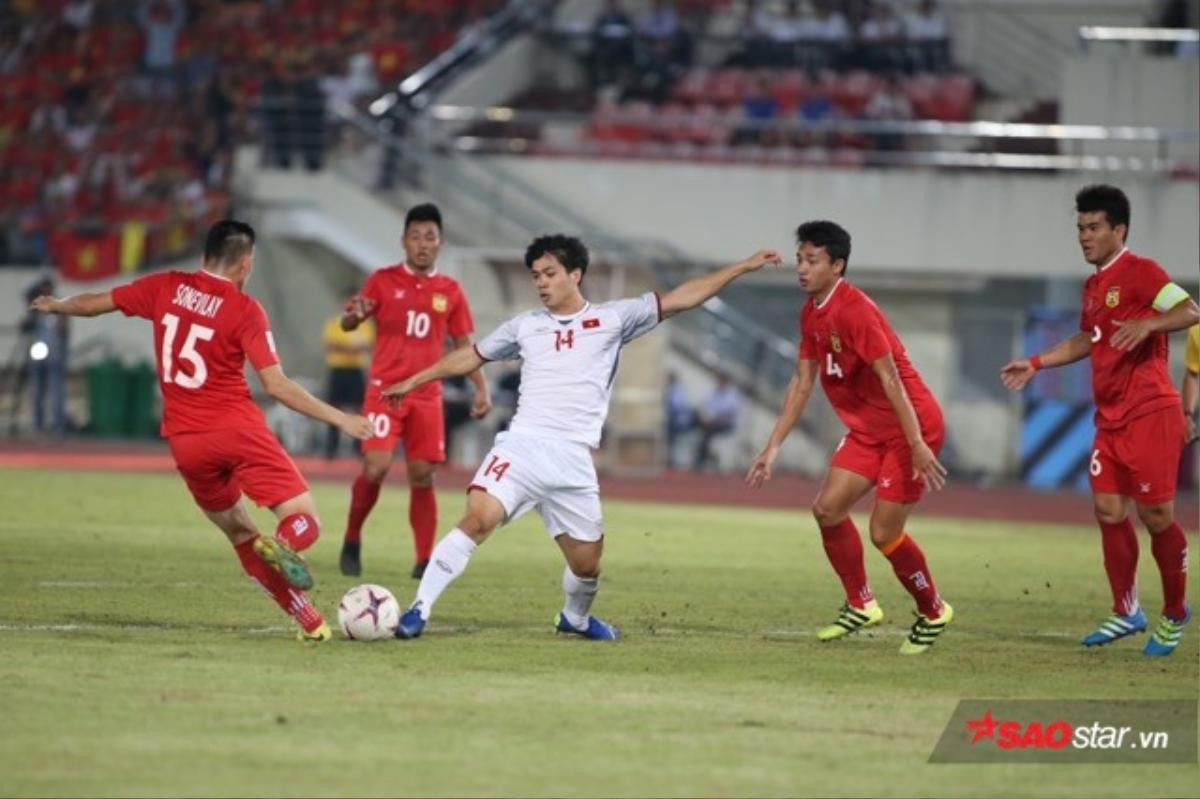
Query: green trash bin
141, 421
107, 387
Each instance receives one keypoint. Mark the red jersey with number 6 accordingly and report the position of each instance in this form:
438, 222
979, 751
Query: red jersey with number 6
1130, 384
205, 328
413, 315
845, 334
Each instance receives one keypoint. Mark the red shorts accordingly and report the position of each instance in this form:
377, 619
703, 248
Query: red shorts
887, 465
1140, 459
417, 422
220, 465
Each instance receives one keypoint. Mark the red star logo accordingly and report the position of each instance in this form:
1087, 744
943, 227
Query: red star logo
984, 727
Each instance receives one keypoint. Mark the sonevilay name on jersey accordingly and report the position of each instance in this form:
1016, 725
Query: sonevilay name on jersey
205, 328
569, 364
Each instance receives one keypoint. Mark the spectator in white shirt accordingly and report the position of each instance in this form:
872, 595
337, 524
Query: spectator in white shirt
718, 415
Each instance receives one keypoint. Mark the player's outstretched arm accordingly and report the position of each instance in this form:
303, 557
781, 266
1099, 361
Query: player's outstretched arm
282, 388
1016, 374
1132, 332
459, 362
926, 466
798, 391
690, 293
89, 304
483, 395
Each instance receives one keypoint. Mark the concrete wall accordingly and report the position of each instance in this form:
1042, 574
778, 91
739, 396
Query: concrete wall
919, 222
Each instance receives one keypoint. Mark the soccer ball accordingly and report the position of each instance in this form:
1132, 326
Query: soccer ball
368, 612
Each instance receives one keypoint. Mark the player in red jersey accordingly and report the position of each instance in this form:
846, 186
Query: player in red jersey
1129, 305
415, 309
895, 432
205, 328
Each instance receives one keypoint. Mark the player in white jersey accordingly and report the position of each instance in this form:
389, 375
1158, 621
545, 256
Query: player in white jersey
569, 352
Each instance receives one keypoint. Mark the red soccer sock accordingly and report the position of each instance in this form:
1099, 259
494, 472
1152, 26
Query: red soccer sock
1170, 550
299, 531
843, 547
1120, 564
363, 496
292, 600
422, 515
908, 561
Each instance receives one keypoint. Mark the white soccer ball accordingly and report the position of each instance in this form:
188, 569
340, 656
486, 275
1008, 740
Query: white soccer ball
368, 612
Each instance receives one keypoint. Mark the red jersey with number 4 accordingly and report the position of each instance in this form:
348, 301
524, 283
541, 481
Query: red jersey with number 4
1130, 384
845, 335
413, 315
205, 328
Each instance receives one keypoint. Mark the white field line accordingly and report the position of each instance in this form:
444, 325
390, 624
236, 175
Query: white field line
107, 584
455, 629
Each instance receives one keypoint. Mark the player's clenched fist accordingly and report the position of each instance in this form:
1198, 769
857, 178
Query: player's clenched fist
357, 426
360, 306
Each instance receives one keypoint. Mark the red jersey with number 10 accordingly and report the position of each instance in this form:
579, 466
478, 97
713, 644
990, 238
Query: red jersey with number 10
1126, 385
413, 315
845, 335
205, 328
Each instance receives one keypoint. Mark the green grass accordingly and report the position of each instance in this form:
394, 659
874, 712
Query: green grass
176, 677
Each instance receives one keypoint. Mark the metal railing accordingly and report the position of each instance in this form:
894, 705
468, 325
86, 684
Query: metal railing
1101, 33
979, 144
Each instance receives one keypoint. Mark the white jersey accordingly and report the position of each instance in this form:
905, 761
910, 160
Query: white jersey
570, 363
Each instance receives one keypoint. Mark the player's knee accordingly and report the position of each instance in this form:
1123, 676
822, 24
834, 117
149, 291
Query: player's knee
375, 472
826, 516
476, 527
881, 535
1155, 517
299, 531
587, 569
421, 473
1109, 515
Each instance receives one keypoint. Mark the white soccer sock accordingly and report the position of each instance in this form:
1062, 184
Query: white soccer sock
579, 592
449, 559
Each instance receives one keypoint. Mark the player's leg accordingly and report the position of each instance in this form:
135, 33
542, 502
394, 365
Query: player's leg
364, 493
1151, 449
851, 476
269, 477
897, 492
1118, 540
450, 557
424, 447
572, 514
237, 525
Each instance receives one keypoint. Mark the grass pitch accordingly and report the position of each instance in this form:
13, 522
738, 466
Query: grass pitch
135, 659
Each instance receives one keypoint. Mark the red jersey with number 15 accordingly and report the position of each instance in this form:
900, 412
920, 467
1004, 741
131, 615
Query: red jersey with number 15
413, 315
205, 328
1126, 385
845, 335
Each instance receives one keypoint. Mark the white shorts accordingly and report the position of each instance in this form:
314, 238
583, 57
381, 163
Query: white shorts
556, 477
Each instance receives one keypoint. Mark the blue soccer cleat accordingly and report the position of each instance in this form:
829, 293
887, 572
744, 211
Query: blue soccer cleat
1167, 634
1116, 627
411, 624
596, 630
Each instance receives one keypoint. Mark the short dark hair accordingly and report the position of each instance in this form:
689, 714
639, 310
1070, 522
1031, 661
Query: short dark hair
1109, 199
425, 212
228, 241
569, 251
830, 235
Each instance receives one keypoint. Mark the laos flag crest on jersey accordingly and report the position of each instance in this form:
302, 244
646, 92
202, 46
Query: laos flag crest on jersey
835, 342
1113, 298
440, 303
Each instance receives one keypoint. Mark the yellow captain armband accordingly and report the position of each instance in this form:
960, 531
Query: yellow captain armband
1170, 296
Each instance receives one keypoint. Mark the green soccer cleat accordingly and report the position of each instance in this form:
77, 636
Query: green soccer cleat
281, 558
850, 620
322, 633
1166, 635
925, 631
